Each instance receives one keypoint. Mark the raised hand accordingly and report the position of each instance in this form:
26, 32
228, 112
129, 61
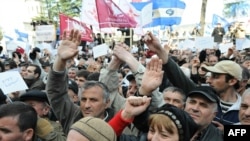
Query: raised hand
152, 77
69, 45
152, 42
121, 51
134, 106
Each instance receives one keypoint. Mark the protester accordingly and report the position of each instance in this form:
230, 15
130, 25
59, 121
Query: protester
32, 77
18, 122
174, 96
92, 129
244, 113
72, 73
39, 101
167, 123
225, 80
95, 98
73, 91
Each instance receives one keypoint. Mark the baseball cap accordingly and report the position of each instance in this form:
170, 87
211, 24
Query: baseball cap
20, 50
130, 77
206, 91
73, 86
226, 67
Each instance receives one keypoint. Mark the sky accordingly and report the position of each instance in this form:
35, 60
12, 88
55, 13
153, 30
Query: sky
11, 13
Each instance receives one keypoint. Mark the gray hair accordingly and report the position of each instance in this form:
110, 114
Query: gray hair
90, 84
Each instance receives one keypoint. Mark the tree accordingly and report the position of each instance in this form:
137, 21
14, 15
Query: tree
203, 16
51, 9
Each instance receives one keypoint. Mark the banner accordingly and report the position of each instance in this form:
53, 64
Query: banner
67, 23
110, 15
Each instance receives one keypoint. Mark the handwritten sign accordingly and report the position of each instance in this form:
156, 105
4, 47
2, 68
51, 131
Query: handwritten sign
100, 50
11, 81
204, 42
45, 33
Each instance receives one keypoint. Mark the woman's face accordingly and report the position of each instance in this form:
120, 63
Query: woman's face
156, 134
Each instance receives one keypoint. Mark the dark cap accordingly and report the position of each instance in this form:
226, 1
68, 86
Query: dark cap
206, 91
36, 95
185, 124
2, 97
73, 86
130, 77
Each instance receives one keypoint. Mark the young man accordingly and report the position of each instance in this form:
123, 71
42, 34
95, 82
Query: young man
17, 122
32, 77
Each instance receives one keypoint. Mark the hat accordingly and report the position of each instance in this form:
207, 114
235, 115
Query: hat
185, 124
36, 95
226, 67
73, 86
206, 91
2, 97
95, 129
130, 77
20, 50
45, 64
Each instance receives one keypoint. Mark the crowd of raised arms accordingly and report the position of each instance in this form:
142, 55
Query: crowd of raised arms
155, 93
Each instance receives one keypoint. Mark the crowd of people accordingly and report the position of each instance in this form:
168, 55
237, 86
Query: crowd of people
156, 93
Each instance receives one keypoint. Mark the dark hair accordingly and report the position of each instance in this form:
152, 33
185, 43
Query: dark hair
26, 114
236, 85
93, 76
82, 73
37, 69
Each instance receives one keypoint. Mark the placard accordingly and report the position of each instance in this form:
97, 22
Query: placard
11, 81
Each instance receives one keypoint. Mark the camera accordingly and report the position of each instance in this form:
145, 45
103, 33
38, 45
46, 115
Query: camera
32, 55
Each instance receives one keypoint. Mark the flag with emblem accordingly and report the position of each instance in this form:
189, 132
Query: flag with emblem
110, 15
68, 23
167, 12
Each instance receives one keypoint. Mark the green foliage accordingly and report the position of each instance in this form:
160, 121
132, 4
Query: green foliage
52, 8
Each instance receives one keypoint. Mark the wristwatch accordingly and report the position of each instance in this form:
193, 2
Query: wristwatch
140, 70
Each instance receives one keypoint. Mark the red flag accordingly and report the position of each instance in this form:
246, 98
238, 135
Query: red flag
110, 15
70, 23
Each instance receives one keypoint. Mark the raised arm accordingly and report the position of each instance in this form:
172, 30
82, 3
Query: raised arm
57, 83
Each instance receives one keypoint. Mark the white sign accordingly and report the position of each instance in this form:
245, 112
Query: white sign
204, 42
45, 33
100, 50
242, 44
11, 81
224, 47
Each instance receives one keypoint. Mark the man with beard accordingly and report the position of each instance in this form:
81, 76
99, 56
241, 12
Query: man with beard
32, 77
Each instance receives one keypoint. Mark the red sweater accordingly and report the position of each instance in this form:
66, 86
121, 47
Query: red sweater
118, 123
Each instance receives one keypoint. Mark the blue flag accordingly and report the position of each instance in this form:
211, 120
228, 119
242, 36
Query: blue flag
167, 12
217, 19
21, 35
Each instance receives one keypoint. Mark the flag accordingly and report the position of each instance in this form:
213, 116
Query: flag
8, 37
70, 23
144, 8
218, 19
167, 12
89, 13
110, 15
21, 36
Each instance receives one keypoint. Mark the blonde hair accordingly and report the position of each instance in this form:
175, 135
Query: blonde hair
162, 122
